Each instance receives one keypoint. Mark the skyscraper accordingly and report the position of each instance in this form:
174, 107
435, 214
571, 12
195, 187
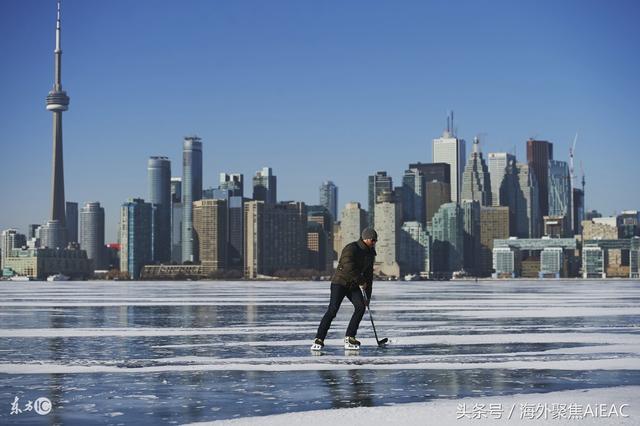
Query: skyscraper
578, 210
210, 234
176, 219
538, 155
329, 198
560, 193
510, 195
378, 183
135, 236
528, 218
494, 224
476, 185
191, 191
92, 233
354, 220
71, 221
57, 102
440, 172
451, 150
413, 197
498, 163
233, 182
265, 186
159, 181
471, 235
437, 193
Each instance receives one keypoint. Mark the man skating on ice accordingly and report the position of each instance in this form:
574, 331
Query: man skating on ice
355, 269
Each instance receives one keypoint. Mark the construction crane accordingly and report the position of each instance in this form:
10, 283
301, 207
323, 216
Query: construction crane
572, 151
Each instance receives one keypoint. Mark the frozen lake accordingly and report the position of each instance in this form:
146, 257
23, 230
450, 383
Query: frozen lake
180, 352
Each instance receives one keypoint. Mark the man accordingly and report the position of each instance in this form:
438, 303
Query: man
355, 270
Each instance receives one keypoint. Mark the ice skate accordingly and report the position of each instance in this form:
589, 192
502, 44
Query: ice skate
317, 345
351, 344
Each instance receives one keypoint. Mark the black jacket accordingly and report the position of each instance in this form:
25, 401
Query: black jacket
355, 266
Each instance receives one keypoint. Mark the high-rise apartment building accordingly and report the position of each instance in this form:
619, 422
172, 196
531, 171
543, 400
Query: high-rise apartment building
415, 249
507, 262
539, 153
275, 237
494, 224
52, 233
176, 220
322, 216
628, 223
634, 258
447, 232
377, 184
235, 231
159, 186
71, 221
388, 221
191, 191
451, 150
136, 217
552, 262
210, 234
329, 198
338, 244
354, 220
318, 247
593, 261
92, 233
265, 186
497, 164
11, 239
33, 231
476, 184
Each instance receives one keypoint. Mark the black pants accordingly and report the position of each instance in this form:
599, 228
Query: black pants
338, 292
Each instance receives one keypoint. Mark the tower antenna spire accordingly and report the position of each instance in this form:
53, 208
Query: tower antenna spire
58, 51
57, 103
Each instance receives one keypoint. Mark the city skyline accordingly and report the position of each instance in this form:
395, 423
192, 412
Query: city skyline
264, 99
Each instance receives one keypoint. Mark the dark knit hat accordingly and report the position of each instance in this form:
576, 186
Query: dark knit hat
369, 234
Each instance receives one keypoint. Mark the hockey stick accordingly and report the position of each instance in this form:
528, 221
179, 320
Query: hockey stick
380, 342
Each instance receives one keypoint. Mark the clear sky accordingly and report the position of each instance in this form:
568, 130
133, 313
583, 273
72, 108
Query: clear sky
318, 90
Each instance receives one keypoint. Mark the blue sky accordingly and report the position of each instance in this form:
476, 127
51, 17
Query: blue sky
317, 90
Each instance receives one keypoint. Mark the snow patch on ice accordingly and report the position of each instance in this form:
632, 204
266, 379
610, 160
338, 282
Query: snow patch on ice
447, 411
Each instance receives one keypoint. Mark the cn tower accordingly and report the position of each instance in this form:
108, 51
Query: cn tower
57, 102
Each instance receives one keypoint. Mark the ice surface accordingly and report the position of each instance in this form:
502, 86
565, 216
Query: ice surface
167, 352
